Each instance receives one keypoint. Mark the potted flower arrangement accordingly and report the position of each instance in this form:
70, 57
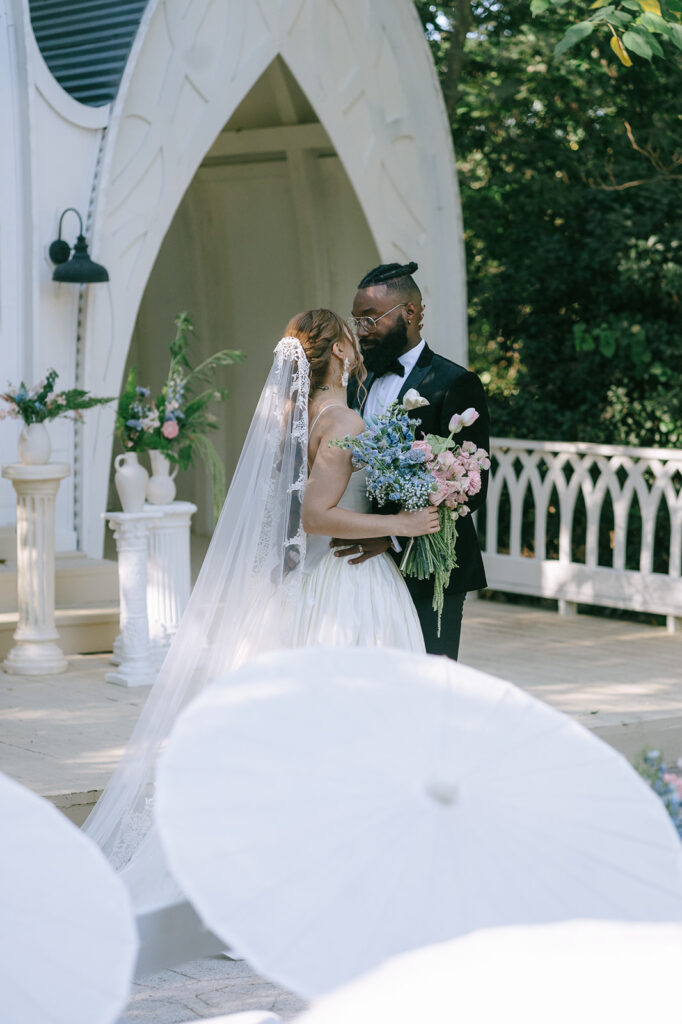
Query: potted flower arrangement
40, 403
174, 427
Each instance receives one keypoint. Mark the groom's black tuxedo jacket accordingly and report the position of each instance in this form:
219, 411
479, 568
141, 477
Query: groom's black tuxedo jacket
449, 388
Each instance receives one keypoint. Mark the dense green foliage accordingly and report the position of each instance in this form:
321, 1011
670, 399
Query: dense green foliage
570, 172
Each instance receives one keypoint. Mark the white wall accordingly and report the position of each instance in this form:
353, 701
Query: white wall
238, 258
47, 164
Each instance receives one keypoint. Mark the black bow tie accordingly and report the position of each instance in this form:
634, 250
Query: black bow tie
395, 367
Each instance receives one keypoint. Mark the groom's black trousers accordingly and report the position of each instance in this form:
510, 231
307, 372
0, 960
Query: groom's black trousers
447, 643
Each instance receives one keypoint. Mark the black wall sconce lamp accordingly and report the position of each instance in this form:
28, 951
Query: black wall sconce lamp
80, 269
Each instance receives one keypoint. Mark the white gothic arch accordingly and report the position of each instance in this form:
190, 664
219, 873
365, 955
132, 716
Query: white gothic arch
365, 67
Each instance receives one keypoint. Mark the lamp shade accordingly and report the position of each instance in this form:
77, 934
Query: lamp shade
80, 269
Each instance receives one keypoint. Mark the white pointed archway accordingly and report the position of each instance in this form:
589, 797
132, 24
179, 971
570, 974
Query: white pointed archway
365, 68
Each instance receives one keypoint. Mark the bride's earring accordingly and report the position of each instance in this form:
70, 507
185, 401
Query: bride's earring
345, 374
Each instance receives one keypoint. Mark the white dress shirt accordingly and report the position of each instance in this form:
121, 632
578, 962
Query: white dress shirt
386, 389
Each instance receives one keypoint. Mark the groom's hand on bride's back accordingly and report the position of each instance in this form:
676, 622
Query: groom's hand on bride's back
357, 551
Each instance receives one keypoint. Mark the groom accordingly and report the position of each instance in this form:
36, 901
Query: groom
388, 312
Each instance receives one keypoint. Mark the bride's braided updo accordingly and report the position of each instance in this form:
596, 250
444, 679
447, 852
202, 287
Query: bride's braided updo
318, 330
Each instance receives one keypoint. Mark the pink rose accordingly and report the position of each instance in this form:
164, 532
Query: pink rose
440, 491
170, 429
474, 482
423, 446
446, 461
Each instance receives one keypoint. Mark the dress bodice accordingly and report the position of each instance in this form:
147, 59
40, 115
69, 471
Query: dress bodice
355, 499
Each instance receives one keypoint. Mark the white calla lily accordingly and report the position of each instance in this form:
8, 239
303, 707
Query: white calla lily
413, 400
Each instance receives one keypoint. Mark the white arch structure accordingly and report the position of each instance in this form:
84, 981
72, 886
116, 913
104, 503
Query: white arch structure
365, 67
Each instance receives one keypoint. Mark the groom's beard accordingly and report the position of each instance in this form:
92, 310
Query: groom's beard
379, 356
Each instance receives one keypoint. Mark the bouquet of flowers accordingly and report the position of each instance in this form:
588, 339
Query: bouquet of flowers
42, 402
415, 473
177, 421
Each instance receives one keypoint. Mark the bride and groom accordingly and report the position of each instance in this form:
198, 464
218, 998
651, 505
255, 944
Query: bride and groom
272, 578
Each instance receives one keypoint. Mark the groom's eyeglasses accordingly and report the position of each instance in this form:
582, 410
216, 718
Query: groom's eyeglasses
369, 323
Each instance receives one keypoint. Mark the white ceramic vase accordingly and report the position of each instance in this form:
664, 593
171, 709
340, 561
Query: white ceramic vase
34, 445
161, 486
131, 482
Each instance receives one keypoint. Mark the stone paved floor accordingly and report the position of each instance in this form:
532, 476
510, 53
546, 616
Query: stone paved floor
63, 734
204, 989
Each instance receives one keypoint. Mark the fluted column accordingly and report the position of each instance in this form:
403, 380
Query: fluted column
135, 663
35, 651
168, 572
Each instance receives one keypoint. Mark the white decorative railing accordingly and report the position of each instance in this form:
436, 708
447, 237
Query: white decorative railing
586, 524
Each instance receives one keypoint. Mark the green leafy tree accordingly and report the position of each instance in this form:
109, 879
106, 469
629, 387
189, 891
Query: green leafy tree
570, 172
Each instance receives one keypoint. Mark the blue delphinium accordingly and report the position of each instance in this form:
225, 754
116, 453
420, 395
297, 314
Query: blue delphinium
394, 468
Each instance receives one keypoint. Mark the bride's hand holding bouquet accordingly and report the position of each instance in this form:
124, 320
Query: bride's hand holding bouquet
418, 523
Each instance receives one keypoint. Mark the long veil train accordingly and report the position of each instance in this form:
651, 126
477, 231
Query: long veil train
240, 605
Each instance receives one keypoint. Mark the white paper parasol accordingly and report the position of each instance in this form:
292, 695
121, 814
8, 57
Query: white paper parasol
579, 972
326, 809
67, 933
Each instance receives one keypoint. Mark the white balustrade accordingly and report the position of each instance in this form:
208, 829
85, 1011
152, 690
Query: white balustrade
36, 651
553, 479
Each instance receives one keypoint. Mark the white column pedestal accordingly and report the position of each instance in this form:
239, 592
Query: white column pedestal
168, 572
131, 533
36, 651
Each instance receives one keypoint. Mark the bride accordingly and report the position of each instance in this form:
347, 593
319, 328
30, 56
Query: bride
270, 579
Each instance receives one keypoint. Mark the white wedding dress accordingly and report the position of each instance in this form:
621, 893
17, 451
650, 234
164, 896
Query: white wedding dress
344, 605
264, 585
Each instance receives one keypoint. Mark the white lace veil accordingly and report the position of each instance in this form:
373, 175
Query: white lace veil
240, 605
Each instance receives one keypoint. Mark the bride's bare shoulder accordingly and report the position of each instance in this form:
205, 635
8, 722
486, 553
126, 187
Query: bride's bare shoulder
340, 420
345, 421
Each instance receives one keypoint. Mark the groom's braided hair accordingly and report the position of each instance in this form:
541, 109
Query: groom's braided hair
396, 277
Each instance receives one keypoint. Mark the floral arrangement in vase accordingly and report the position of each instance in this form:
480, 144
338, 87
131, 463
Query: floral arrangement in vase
177, 423
40, 403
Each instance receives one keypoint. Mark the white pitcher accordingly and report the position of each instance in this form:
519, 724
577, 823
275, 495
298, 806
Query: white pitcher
131, 482
34, 445
161, 486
